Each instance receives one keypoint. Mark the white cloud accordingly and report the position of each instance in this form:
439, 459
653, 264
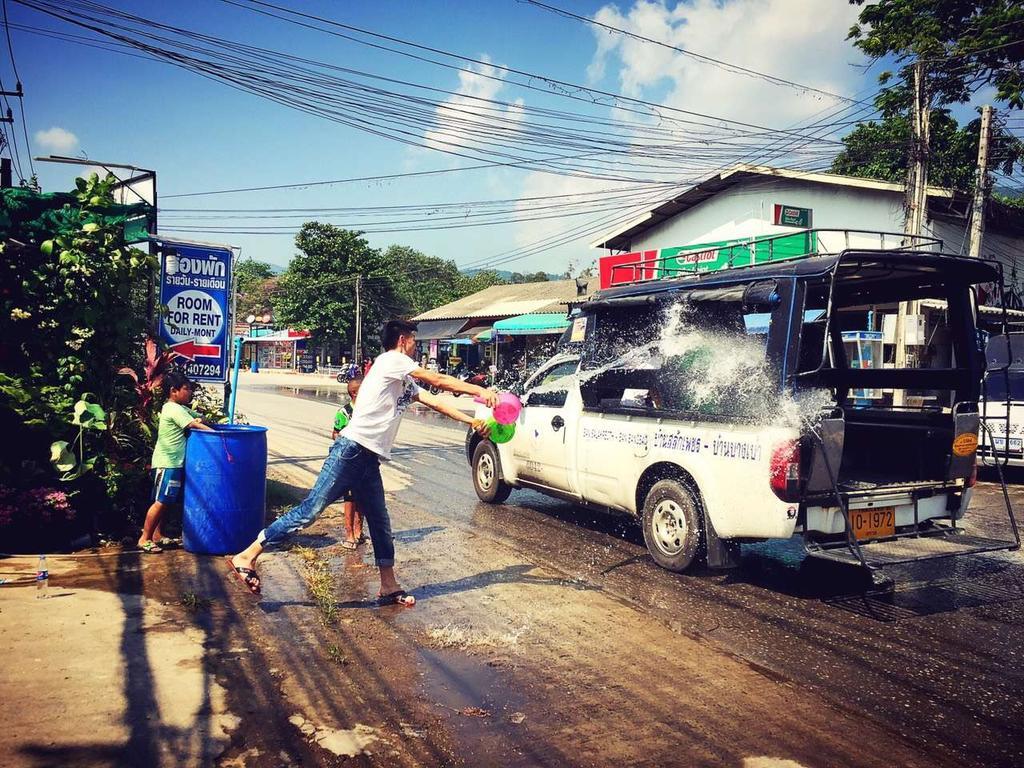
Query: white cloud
461, 116
57, 140
791, 39
797, 40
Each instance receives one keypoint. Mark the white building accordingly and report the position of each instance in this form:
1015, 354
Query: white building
746, 201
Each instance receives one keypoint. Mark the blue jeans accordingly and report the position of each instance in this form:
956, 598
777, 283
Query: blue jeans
349, 466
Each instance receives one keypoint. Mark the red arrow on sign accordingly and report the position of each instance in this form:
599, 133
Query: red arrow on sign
190, 350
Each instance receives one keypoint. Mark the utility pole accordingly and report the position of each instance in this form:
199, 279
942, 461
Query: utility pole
357, 353
980, 185
917, 168
6, 177
916, 207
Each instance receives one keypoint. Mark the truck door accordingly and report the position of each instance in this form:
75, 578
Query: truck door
545, 435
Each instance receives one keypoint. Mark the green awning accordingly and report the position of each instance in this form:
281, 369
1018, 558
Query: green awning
533, 325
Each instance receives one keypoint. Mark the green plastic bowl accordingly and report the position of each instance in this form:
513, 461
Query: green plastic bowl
501, 433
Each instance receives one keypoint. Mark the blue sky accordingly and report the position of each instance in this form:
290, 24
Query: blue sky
203, 135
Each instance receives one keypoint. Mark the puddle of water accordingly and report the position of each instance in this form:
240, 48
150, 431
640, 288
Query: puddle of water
348, 743
486, 714
339, 398
317, 394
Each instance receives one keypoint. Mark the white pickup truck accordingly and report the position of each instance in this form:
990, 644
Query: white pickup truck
718, 410
1002, 408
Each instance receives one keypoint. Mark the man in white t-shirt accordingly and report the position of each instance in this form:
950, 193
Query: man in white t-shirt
354, 461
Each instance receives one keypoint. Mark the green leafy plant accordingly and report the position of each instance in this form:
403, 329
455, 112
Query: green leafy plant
69, 458
147, 386
195, 603
72, 313
335, 654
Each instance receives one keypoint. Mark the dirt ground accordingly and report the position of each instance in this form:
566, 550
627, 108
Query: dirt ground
523, 648
163, 660
160, 660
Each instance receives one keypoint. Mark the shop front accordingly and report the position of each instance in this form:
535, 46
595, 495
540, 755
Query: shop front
280, 350
434, 342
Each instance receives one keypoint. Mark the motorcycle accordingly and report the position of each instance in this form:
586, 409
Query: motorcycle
477, 379
347, 375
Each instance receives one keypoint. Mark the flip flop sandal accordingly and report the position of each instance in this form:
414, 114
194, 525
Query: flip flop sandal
349, 544
150, 548
401, 597
247, 576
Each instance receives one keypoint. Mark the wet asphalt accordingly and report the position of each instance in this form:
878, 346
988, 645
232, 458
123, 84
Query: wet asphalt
937, 661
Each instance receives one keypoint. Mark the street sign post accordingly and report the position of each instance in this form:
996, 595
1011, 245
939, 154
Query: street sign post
195, 294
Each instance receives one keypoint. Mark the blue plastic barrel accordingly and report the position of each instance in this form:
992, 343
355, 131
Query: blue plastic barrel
225, 488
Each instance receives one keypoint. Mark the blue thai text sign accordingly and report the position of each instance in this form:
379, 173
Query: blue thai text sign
195, 292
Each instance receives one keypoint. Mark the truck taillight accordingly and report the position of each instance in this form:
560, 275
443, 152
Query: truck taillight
785, 471
973, 478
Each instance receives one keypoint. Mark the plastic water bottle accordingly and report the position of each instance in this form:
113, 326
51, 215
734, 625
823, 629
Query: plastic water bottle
42, 578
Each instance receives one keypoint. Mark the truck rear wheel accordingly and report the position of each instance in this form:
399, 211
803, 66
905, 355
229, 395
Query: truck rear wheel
487, 474
673, 524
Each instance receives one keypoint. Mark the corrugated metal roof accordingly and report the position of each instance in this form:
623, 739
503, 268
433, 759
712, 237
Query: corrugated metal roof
470, 333
438, 329
500, 301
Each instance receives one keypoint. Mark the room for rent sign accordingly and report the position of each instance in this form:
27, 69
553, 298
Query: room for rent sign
195, 294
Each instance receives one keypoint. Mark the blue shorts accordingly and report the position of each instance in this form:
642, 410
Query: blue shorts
168, 484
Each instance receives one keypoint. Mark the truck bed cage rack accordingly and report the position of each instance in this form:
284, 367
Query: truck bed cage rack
925, 540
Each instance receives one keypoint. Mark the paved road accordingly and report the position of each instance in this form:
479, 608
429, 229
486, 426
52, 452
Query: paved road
557, 619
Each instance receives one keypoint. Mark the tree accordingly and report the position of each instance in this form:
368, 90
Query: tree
256, 284
422, 282
880, 150
1016, 203
529, 277
317, 291
964, 46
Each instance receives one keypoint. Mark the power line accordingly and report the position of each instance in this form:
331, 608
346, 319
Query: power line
257, 81
725, 65
209, 72
479, 62
301, 84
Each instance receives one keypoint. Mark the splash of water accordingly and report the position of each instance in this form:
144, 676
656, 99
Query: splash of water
703, 369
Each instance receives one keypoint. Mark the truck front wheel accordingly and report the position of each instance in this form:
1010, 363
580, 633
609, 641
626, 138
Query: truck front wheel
673, 524
487, 475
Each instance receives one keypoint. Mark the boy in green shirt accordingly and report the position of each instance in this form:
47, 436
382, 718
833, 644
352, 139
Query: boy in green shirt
169, 457
353, 518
